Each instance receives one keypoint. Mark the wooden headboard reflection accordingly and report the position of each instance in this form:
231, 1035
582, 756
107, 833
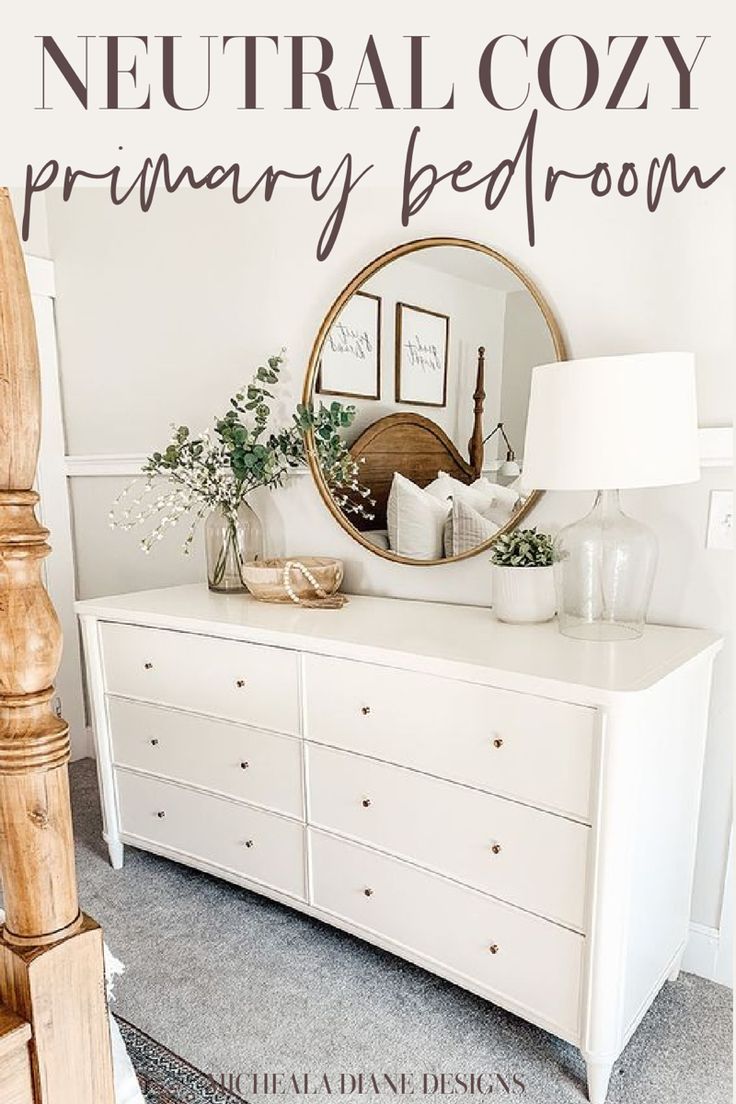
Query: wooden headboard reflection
417, 448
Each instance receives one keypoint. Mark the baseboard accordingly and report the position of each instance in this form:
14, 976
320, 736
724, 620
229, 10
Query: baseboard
83, 746
702, 955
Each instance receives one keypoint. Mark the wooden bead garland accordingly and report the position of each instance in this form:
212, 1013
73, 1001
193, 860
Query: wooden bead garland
323, 599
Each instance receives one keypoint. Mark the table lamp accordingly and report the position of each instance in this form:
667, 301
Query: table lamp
605, 424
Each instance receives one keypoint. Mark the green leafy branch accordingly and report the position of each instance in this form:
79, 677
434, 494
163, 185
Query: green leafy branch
218, 469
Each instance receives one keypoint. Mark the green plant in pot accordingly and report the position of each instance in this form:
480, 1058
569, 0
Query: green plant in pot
523, 579
210, 476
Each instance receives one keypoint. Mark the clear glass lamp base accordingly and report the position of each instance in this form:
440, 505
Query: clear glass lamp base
604, 573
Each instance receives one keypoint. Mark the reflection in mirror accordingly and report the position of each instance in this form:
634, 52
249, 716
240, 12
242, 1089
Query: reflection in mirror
434, 349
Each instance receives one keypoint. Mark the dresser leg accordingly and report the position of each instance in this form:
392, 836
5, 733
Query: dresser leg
599, 1074
116, 852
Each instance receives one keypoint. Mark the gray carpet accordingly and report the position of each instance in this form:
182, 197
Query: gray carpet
237, 984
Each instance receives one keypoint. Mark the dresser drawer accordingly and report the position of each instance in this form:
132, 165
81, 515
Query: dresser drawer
536, 966
249, 842
227, 678
241, 762
530, 748
533, 859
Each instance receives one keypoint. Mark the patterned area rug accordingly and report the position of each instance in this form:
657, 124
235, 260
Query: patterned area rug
167, 1079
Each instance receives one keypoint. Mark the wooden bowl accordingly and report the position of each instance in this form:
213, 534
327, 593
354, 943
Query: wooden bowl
265, 578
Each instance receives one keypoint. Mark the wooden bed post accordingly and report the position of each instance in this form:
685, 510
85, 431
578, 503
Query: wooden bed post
51, 956
475, 444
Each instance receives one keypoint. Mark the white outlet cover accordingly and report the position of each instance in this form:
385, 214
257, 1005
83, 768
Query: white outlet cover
720, 521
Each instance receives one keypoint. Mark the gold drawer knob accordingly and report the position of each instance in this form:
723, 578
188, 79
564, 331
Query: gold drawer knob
249, 843
496, 848
366, 802
244, 765
240, 683
493, 948
368, 892
147, 666
160, 814
498, 742
153, 741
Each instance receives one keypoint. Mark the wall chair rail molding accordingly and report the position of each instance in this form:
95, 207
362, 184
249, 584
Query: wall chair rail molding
112, 465
716, 451
105, 464
716, 446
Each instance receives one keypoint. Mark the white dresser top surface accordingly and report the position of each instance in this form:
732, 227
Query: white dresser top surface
464, 641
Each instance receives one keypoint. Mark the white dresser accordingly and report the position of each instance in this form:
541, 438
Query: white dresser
510, 809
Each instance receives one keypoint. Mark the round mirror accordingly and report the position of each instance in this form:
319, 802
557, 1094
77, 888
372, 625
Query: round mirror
423, 364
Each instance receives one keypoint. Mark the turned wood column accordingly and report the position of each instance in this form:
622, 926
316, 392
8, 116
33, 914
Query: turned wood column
51, 969
475, 444
36, 846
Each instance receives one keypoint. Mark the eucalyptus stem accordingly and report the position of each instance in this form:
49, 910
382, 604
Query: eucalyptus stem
218, 468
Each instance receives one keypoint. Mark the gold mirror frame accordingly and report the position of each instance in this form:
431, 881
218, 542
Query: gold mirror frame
311, 376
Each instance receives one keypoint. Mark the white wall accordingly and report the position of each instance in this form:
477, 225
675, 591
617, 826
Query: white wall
526, 343
38, 239
476, 318
162, 315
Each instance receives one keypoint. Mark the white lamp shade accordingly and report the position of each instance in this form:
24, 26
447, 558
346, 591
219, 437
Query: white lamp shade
607, 423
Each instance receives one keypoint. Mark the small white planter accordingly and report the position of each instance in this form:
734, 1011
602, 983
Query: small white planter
523, 594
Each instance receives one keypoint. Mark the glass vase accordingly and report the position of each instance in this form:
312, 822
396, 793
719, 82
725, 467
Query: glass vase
604, 571
231, 539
